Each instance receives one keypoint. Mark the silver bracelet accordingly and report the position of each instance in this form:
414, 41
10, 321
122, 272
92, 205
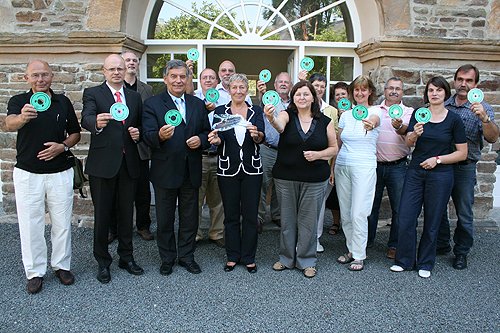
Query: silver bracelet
400, 126
272, 122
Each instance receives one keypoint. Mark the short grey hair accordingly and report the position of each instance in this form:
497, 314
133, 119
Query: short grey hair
238, 77
127, 51
175, 63
277, 76
394, 79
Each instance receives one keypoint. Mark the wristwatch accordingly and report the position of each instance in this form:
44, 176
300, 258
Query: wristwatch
487, 121
438, 160
66, 148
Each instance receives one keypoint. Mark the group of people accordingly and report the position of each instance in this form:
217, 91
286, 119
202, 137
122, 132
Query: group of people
306, 154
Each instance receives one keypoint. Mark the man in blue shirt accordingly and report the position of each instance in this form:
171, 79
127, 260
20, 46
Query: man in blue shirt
479, 121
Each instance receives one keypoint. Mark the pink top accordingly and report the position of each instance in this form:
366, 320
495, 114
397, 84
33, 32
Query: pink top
390, 145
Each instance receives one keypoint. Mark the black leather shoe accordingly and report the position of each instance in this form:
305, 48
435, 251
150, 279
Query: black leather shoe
166, 268
229, 268
252, 269
191, 266
443, 250
260, 225
103, 275
460, 261
131, 267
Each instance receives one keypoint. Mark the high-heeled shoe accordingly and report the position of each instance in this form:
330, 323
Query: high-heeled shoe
252, 269
229, 268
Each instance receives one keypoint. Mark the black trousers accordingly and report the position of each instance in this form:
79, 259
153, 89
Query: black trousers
240, 197
103, 192
187, 198
142, 201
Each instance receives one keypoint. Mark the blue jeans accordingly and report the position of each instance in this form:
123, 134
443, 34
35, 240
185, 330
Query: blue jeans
463, 199
392, 177
433, 189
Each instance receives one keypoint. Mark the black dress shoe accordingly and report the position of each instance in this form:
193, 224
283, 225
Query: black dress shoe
229, 268
460, 261
111, 237
166, 268
443, 250
131, 267
252, 269
191, 266
103, 275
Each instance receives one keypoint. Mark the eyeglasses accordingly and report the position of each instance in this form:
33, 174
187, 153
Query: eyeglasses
397, 89
119, 69
44, 76
230, 70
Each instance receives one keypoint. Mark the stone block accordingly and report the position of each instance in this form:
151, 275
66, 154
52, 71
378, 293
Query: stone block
408, 76
39, 4
8, 140
7, 176
430, 32
73, 87
12, 68
425, 2
421, 10
476, 33
92, 67
8, 154
441, 12
83, 206
74, 96
478, 3
482, 206
414, 102
3, 77
28, 16
17, 77
483, 178
70, 18
420, 18
56, 24
6, 165
486, 167
8, 188
63, 78
70, 69
492, 98
492, 156
486, 188
479, 23
22, 4
470, 12
9, 203
104, 15
459, 34
489, 84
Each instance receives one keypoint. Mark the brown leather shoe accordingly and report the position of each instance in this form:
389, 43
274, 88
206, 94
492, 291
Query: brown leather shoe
35, 285
219, 242
391, 254
111, 237
146, 234
260, 225
65, 277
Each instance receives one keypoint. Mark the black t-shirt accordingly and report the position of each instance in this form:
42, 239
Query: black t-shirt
52, 125
291, 163
436, 140
131, 86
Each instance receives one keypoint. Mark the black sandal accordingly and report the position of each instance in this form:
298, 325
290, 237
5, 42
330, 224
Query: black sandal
334, 229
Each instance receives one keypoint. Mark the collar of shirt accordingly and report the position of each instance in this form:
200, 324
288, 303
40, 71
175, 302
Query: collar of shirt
113, 91
323, 105
175, 97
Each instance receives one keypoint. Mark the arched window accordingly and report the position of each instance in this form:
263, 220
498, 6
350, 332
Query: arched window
255, 34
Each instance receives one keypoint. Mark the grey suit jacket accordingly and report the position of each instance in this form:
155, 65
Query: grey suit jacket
146, 91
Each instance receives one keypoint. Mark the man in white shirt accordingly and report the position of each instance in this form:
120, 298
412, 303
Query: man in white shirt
226, 69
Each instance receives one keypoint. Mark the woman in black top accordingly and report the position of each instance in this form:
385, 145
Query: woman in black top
307, 142
429, 179
239, 174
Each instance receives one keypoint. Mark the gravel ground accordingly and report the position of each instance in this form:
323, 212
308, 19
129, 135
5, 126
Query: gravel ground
268, 301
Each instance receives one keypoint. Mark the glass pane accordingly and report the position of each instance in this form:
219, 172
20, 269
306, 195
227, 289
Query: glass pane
156, 63
277, 23
319, 64
183, 57
341, 68
158, 87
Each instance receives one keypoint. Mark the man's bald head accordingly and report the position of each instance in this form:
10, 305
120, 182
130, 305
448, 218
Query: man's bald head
39, 76
226, 69
114, 70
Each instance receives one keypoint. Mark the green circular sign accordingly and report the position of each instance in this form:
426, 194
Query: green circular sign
265, 75
40, 101
307, 64
475, 95
423, 115
193, 54
395, 111
119, 111
271, 97
360, 112
344, 104
212, 95
173, 117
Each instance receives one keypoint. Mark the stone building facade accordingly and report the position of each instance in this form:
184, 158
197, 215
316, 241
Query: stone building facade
412, 39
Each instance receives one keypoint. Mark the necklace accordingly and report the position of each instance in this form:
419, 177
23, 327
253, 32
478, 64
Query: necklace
305, 121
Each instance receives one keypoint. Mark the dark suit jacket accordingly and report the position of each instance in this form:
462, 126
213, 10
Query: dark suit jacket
106, 148
232, 156
144, 89
169, 158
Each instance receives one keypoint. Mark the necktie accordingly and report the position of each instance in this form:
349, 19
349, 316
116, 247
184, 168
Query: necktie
119, 100
182, 110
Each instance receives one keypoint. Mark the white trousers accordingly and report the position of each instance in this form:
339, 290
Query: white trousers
321, 218
355, 190
31, 191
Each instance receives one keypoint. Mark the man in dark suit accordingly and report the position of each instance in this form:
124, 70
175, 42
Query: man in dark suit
176, 165
142, 196
112, 163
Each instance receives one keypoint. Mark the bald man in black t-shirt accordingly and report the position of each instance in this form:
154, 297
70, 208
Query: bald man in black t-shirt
43, 172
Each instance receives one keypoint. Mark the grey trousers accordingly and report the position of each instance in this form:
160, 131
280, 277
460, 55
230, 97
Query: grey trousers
268, 156
300, 204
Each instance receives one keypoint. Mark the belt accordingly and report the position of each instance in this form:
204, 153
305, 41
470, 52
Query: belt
466, 162
268, 145
404, 159
209, 153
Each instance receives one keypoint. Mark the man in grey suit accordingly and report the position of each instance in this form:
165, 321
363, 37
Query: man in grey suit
142, 196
